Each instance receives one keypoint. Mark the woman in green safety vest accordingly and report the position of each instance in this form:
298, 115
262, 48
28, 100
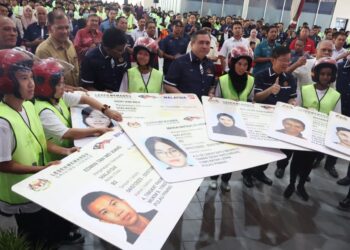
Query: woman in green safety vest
143, 78
322, 97
52, 104
24, 149
236, 85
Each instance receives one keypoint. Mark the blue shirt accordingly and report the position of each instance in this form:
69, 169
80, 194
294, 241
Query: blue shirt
102, 72
266, 78
264, 49
107, 25
343, 86
35, 31
172, 46
190, 75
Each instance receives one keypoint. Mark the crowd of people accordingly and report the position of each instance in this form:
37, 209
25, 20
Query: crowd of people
91, 45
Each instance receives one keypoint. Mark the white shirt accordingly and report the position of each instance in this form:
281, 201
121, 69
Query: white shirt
337, 53
53, 126
303, 74
229, 44
137, 33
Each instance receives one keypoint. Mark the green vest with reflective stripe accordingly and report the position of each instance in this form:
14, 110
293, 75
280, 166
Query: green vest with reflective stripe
65, 118
30, 148
325, 105
228, 91
137, 85
130, 20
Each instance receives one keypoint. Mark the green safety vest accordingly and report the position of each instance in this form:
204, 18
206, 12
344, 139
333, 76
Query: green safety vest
228, 91
137, 85
325, 105
65, 118
30, 149
130, 20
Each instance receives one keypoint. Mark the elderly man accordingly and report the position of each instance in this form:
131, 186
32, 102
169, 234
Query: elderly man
59, 46
88, 37
8, 33
37, 32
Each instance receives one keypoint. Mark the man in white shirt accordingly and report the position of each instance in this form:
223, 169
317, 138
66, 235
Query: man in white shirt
140, 31
339, 52
229, 44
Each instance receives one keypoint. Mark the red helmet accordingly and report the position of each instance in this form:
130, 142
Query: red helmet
146, 43
47, 74
12, 60
325, 62
239, 52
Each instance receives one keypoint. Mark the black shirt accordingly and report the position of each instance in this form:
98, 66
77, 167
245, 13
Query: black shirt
343, 86
35, 31
190, 75
266, 78
102, 72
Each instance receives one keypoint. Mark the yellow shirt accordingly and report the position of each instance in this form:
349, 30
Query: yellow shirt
65, 52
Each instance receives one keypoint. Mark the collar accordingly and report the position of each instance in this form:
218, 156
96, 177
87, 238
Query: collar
194, 58
239, 40
57, 45
272, 73
103, 52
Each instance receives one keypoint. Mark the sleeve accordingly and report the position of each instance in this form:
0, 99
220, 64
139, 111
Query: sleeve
27, 35
172, 78
7, 142
53, 126
292, 45
293, 84
71, 99
338, 106
87, 73
218, 90
257, 51
42, 53
162, 46
124, 83
223, 52
258, 84
77, 40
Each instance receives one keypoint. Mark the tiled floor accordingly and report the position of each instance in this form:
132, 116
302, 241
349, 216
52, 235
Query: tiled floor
258, 218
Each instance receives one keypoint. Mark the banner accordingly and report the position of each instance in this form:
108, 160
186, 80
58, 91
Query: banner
109, 189
303, 127
242, 123
338, 133
135, 105
179, 149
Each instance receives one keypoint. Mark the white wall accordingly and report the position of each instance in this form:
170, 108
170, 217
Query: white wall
342, 10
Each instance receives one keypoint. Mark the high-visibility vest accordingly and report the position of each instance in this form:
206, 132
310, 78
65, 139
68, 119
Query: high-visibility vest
229, 92
310, 99
30, 148
65, 118
136, 83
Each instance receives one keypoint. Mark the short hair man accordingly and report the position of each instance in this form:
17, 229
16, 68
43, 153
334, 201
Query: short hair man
8, 33
293, 127
59, 46
104, 66
194, 72
110, 208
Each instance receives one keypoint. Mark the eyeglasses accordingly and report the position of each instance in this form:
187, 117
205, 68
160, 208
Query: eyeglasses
169, 152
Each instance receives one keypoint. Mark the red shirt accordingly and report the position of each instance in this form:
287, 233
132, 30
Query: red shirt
309, 46
84, 40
